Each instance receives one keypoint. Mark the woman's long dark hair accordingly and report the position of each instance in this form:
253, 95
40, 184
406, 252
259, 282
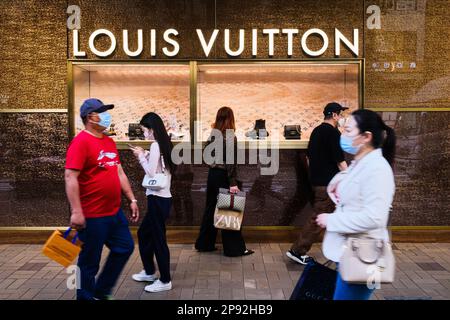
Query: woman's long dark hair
152, 121
383, 136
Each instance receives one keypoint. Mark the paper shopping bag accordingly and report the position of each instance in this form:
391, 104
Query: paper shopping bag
62, 248
228, 219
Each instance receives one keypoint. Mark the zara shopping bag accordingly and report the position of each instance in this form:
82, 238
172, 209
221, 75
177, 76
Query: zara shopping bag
229, 210
228, 219
317, 282
60, 248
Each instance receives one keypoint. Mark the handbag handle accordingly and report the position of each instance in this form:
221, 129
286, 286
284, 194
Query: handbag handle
379, 247
67, 232
328, 263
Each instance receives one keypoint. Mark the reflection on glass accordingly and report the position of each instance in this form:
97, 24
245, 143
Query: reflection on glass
281, 94
136, 90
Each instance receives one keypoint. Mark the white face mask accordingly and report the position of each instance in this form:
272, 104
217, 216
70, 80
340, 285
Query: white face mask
147, 134
341, 122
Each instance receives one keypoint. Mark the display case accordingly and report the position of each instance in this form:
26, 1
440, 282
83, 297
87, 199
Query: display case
134, 89
187, 95
279, 93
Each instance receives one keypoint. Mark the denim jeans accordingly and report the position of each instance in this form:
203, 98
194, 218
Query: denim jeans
350, 291
113, 232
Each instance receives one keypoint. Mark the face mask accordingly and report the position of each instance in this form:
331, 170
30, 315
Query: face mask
341, 122
347, 145
148, 135
105, 119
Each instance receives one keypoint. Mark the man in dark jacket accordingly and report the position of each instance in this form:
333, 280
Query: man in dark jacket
325, 158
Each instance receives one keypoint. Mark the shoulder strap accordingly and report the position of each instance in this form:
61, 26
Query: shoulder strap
163, 167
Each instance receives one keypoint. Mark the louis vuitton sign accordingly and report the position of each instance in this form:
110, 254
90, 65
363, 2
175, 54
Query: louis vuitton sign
208, 41
235, 42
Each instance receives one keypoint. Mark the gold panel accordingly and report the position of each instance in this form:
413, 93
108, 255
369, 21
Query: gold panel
407, 59
33, 54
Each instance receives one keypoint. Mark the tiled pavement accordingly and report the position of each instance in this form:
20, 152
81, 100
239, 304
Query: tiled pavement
423, 272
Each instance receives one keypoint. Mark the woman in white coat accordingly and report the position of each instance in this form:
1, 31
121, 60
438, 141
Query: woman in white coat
363, 193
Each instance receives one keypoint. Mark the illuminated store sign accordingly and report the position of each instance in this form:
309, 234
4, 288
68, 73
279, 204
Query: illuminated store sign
234, 42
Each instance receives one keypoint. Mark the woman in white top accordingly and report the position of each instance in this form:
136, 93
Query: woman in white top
363, 193
152, 231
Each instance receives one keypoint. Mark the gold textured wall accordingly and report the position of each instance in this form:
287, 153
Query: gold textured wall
35, 46
411, 32
35, 42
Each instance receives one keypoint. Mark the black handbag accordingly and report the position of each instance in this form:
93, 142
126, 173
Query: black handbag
259, 131
292, 132
317, 282
135, 131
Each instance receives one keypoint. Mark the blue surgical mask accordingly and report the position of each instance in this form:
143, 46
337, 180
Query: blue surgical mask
105, 119
347, 144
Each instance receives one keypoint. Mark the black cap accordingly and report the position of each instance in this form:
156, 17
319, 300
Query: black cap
333, 107
93, 105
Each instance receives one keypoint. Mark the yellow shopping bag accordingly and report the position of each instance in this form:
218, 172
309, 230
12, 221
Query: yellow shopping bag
60, 248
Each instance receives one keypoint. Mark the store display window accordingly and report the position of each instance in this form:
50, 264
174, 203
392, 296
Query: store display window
273, 101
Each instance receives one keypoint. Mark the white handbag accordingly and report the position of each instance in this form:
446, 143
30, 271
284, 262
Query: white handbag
158, 181
367, 261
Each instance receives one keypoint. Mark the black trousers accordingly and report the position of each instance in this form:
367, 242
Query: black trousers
233, 242
152, 237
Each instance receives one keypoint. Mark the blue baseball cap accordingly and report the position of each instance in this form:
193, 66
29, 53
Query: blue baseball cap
93, 105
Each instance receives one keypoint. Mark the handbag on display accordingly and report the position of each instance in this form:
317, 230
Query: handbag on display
259, 131
292, 131
317, 282
228, 219
62, 247
231, 201
135, 131
366, 260
158, 181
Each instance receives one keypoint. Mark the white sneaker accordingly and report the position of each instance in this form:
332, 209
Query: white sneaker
158, 286
144, 277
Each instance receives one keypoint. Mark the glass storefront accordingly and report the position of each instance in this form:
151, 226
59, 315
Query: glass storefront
188, 94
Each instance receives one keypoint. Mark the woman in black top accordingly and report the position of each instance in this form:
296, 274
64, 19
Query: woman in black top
221, 175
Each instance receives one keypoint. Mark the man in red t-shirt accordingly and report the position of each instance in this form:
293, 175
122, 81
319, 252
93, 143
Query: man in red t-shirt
94, 182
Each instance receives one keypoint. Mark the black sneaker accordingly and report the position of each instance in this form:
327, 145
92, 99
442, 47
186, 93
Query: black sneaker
298, 258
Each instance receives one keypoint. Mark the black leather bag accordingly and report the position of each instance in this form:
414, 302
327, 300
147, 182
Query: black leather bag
317, 282
292, 132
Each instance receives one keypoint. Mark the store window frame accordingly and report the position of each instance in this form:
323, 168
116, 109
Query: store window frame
193, 72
